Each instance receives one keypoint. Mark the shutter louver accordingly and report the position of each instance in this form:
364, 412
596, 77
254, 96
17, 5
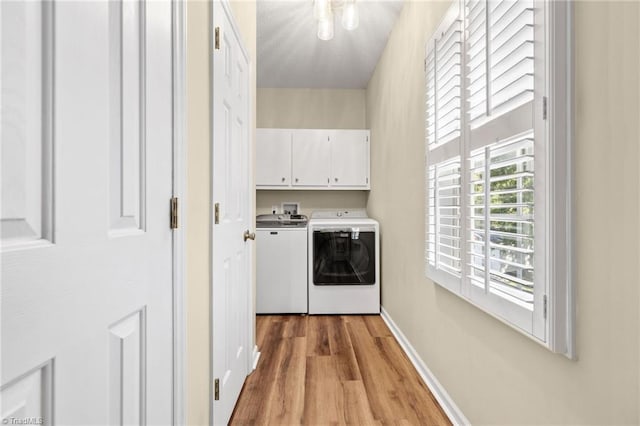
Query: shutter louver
444, 217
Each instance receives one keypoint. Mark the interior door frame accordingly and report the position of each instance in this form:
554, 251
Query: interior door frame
179, 179
253, 354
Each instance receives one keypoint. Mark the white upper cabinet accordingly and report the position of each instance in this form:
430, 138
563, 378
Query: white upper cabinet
311, 156
349, 158
273, 157
312, 159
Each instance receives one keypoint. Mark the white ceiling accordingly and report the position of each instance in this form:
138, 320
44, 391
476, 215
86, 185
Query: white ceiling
291, 55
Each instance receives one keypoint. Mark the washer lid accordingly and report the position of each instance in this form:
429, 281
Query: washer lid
280, 220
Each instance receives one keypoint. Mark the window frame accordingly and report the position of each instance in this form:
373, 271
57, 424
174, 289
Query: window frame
554, 302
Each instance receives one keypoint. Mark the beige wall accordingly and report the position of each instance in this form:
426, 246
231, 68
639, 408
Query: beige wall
495, 375
311, 109
198, 210
311, 200
198, 194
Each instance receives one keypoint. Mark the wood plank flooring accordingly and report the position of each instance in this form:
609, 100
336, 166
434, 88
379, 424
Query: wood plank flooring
320, 370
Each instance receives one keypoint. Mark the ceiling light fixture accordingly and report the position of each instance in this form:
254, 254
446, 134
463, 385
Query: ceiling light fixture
350, 19
325, 27
323, 11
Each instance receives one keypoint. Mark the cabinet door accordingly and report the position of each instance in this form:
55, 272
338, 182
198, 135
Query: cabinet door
311, 156
273, 157
350, 158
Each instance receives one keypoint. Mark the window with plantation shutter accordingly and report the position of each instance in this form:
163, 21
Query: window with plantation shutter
498, 142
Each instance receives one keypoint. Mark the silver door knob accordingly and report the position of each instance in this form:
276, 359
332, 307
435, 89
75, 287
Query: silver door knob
249, 235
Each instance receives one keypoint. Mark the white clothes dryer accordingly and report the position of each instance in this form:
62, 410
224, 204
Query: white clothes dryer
344, 263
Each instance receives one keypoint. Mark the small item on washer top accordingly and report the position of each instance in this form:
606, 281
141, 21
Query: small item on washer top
355, 233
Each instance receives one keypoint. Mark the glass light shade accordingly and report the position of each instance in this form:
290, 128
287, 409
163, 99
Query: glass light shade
321, 9
325, 28
350, 19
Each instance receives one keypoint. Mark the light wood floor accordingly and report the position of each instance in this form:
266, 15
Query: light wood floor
318, 370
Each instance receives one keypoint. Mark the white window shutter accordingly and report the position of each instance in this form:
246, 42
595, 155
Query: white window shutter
476, 28
500, 57
502, 207
511, 55
444, 231
444, 85
500, 151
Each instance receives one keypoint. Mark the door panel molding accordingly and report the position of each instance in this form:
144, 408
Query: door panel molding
127, 98
30, 394
27, 125
127, 370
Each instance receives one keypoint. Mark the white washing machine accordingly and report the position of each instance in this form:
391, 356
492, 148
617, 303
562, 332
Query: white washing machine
281, 264
344, 263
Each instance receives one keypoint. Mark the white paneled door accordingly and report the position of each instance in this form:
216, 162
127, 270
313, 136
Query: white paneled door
233, 214
86, 169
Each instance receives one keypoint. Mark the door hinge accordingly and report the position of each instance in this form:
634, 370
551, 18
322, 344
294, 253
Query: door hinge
217, 213
544, 107
544, 306
425, 64
216, 389
217, 31
367, 180
174, 213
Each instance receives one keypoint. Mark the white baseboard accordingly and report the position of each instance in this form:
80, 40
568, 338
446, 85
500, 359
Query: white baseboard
448, 405
256, 357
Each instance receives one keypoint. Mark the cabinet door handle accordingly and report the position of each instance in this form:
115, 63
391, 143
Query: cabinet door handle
296, 179
336, 179
283, 179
